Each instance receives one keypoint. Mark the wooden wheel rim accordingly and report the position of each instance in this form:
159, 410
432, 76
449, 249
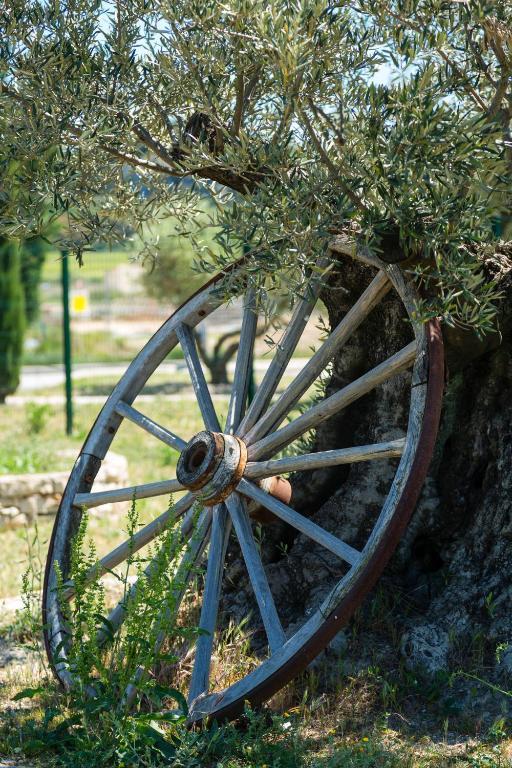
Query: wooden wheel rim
316, 632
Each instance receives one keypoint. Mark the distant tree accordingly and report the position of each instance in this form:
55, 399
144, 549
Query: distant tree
170, 276
12, 317
33, 253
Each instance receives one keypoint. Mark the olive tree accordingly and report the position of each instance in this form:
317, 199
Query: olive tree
386, 122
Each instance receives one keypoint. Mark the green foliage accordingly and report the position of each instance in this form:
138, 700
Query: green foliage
12, 317
21, 460
298, 119
33, 252
103, 660
91, 725
37, 417
170, 275
92, 722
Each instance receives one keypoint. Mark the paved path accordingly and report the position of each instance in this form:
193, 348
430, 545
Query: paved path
96, 399
37, 377
44, 376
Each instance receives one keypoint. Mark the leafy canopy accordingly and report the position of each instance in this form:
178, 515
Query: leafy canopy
299, 118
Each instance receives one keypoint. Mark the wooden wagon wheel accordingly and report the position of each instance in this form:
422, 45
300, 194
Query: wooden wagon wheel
224, 466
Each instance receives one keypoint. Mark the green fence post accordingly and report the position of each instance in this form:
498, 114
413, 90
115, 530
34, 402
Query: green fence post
251, 384
66, 332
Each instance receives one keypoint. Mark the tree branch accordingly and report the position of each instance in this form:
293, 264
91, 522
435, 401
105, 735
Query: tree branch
421, 29
355, 199
239, 182
501, 92
251, 85
239, 105
153, 144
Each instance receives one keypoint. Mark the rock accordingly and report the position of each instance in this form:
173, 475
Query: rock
31, 506
24, 497
339, 643
114, 469
425, 647
11, 517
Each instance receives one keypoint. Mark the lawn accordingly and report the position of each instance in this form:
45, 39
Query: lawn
359, 718
95, 265
24, 450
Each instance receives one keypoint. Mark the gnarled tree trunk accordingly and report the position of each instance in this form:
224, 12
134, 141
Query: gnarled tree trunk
448, 588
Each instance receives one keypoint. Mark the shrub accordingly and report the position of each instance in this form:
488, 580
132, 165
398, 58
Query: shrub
12, 317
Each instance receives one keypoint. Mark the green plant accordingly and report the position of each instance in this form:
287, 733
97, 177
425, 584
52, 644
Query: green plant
33, 252
92, 718
490, 604
21, 460
12, 317
26, 625
280, 115
37, 417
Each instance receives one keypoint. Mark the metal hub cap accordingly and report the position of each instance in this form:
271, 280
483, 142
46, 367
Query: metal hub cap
212, 465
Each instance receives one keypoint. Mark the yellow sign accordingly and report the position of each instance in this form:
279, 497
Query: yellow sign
79, 302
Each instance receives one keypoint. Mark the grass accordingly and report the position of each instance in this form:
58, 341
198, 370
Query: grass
23, 450
90, 347
343, 729
358, 719
96, 263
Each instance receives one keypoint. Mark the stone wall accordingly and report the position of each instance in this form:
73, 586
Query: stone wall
25, 497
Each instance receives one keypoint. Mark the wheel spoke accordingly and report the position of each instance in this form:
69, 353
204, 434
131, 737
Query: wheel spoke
204, 399
144, 491
389, 450
257, 576
277, 367
138, 540
301, 523
243, 364
181, 579
138, 418
335, 403
378, 288
221, 526
118, 614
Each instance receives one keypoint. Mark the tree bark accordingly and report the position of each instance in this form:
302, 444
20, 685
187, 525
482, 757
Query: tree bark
447, 589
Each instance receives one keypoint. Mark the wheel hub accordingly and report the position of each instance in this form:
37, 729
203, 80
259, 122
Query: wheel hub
212, 465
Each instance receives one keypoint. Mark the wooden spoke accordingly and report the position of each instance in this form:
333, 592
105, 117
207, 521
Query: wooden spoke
139, 540
188, 345
335, 403
181, 580
243, 364
275, 634
301, 523
144, 491
138, 418
389, 450
277, 367
378, 288
118, 614
221, 526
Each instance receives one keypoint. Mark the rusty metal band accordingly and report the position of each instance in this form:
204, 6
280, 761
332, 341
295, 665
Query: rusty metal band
213, 465
230, 487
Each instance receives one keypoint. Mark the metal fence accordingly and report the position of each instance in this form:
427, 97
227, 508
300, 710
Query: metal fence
112, 316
